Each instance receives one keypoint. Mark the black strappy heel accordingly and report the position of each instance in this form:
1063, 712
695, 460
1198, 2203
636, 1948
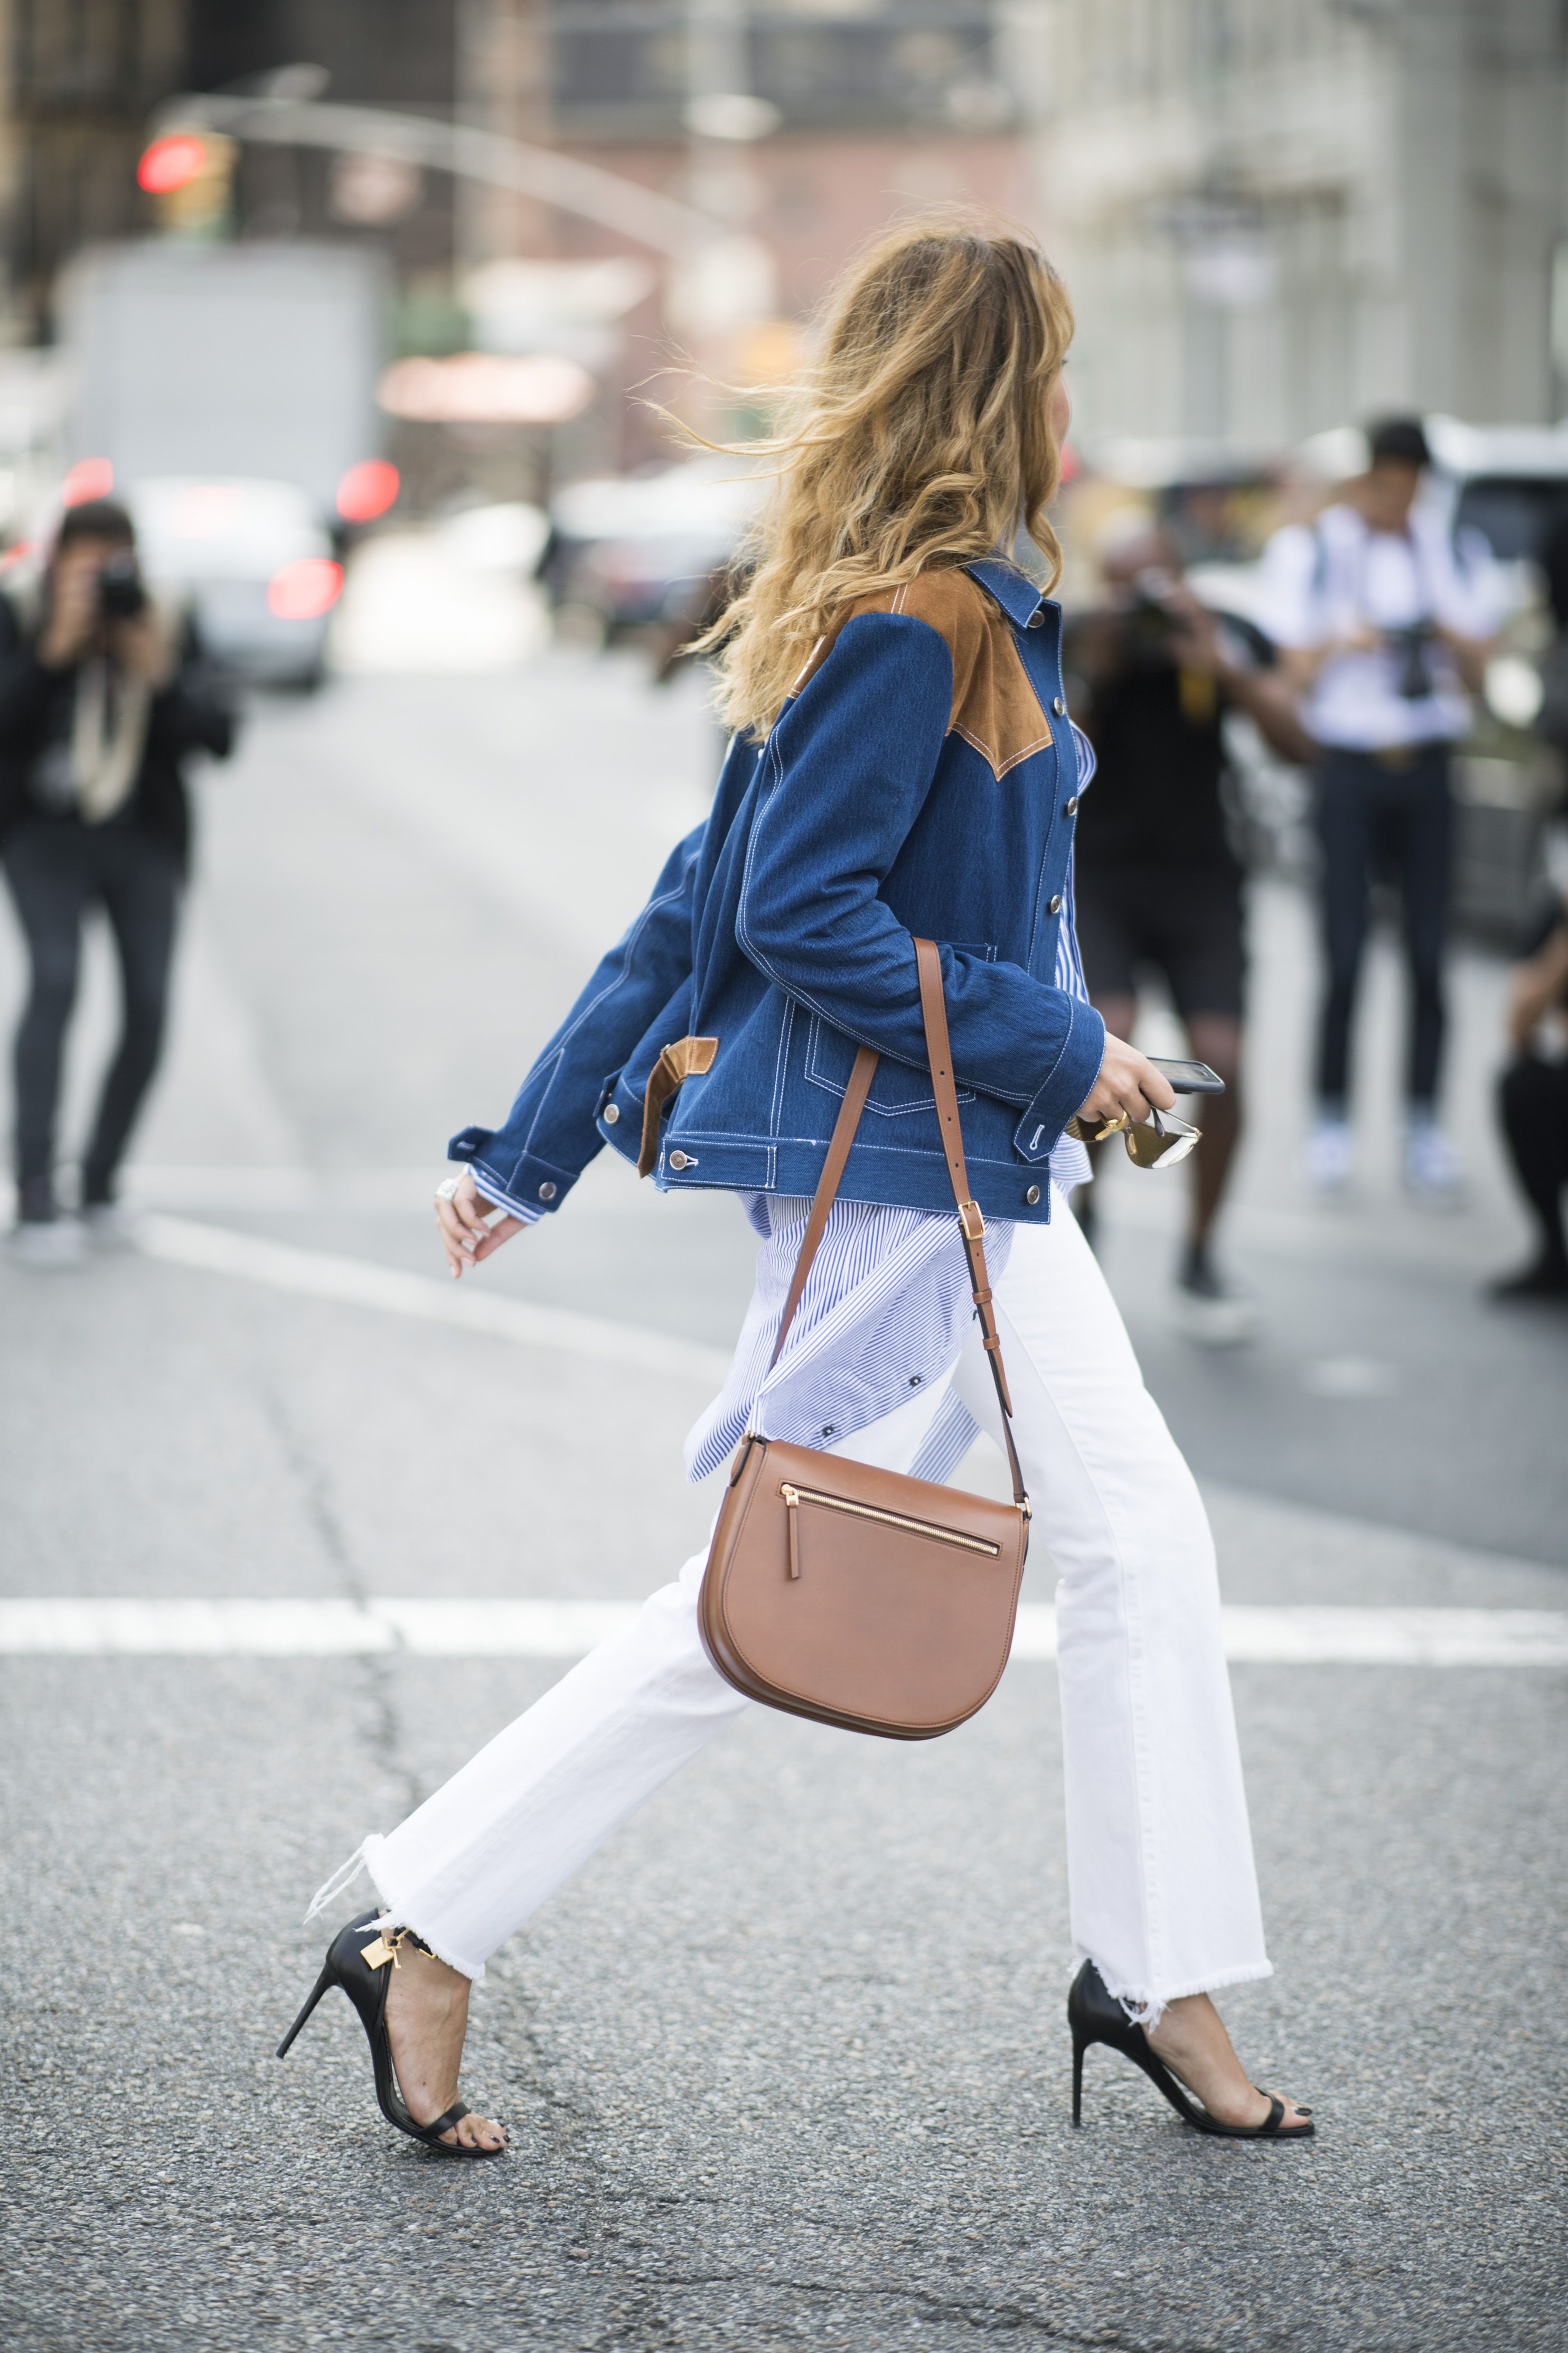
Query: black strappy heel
1095, 2016
362, 1971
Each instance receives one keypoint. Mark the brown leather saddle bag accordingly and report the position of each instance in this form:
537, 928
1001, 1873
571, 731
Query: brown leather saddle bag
858, 1595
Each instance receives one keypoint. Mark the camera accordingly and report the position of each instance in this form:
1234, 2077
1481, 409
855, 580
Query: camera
1149, 623
122, 594
1412, 650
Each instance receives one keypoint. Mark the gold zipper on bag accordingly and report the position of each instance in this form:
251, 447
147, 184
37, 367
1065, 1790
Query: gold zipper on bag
796, 1495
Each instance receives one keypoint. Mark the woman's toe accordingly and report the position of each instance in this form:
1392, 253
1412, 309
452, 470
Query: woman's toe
474, 2131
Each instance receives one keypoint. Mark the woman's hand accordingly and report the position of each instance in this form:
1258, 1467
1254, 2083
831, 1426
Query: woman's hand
470, 1229
1127, 1084
72, 622
144, 648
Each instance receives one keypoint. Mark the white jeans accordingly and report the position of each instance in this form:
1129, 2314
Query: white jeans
1163, 1896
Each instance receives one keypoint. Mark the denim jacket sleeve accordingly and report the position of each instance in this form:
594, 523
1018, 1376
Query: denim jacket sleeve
531, 1163
851, 762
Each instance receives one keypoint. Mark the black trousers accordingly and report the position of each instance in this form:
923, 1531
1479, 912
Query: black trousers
1533, 1098
1375, 821
57, 872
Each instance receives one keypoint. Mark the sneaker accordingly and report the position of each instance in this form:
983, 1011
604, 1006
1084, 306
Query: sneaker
1210, 1310
1328, 1156
1432, 1171
107, 1226
46, 1244
1544, 1278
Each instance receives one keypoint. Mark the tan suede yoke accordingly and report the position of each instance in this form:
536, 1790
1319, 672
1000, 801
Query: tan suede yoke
995, 708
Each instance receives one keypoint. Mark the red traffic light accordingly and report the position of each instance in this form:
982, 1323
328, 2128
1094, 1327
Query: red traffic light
367, 490
170, 163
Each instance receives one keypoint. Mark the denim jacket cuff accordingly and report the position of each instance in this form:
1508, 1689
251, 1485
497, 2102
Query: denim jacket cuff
519, 1181
1072, 1075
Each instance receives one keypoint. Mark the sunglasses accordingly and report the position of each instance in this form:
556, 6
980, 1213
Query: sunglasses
1159, 1141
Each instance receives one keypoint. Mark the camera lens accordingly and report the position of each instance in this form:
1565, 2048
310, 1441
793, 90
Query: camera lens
121, 593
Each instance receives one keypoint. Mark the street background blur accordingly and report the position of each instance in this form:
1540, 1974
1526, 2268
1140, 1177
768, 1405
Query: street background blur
371, 313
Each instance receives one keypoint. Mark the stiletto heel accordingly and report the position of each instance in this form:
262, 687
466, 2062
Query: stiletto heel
364, 1969
1095, 2016
317, 1990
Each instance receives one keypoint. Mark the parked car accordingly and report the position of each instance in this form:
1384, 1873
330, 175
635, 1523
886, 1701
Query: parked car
257, 564
632, 551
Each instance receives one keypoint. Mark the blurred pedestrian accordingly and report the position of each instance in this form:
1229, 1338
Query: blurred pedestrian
902, 765
101, 703
1532, 1097
1158, 883
1386, 624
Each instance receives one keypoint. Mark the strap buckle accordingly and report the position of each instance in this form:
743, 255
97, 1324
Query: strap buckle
971, 1219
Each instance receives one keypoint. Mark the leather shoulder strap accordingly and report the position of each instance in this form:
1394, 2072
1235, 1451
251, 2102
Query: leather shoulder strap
972, 1225
843, 1137
933, 1011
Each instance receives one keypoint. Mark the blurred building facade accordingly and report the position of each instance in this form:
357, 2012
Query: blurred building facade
1275, 216
800, 126
75, 84
803, 127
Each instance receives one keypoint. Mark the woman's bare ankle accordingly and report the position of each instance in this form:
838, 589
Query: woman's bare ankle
426, 2023
1192, 2041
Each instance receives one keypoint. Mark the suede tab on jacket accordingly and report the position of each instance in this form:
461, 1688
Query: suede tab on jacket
993, 705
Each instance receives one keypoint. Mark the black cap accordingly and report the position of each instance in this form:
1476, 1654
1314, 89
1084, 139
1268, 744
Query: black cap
95, 519
1397, 441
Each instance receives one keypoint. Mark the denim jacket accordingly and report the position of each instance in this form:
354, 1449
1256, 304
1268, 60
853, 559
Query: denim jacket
920, 780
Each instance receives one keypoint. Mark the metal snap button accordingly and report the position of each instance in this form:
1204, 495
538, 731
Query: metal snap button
1035, 619
1055, 907
547, 1191
611, 1113
1059, 707
678, 1159
1032, 1196
1071, 810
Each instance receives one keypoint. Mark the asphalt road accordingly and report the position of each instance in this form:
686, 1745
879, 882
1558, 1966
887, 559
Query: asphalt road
785, 2066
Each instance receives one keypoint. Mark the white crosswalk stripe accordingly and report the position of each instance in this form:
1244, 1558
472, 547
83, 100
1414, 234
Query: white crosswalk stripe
565, 1629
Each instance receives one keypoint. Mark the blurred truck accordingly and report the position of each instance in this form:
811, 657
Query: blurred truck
227, 392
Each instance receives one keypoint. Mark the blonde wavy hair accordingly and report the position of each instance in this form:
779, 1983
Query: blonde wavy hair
921, 435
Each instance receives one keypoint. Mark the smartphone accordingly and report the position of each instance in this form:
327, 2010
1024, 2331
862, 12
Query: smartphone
1190, 1078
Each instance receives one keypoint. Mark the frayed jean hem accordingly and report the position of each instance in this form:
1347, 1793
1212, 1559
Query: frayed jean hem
1146, 2010
392, 1915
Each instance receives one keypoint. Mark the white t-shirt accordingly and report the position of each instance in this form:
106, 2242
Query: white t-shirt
1326, 579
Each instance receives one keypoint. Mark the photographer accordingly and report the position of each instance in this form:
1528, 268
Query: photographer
1386, 627
1158, 883
102, 702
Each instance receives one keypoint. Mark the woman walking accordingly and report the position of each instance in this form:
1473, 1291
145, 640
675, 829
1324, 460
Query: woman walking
902, 767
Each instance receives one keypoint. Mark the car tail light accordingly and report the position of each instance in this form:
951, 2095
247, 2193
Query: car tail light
304, 590
367, 490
